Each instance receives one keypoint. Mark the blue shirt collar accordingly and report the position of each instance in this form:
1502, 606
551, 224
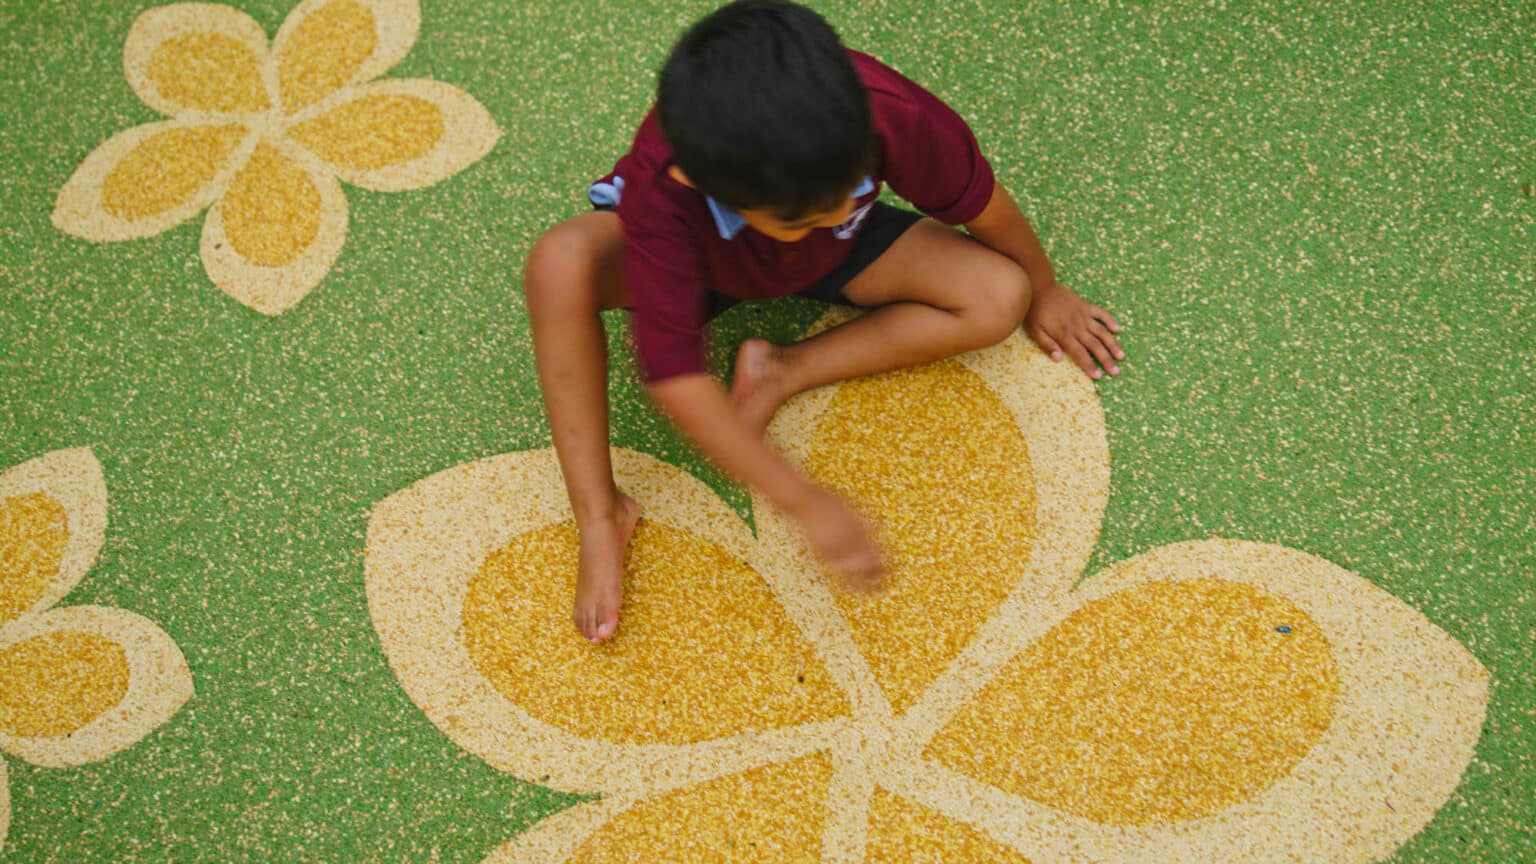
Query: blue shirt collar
729, 222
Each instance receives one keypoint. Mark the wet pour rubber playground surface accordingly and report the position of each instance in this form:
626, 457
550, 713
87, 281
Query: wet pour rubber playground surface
286, 563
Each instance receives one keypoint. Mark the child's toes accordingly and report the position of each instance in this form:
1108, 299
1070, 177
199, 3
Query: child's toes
606, 629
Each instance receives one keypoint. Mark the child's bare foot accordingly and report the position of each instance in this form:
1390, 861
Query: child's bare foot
758, 386
600, 575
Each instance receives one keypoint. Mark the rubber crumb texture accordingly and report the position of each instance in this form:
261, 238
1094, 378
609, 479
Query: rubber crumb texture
1315, 221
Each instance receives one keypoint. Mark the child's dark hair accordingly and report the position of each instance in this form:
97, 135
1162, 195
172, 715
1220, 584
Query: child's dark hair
763, 110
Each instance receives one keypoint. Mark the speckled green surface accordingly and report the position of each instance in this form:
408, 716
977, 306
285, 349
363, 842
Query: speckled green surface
1317, 222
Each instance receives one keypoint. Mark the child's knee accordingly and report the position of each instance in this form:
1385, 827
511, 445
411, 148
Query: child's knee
556, 264
1002, 301
575, 265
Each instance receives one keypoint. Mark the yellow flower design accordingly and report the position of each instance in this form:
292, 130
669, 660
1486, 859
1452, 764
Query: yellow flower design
1216, 700
79, 683
261, 135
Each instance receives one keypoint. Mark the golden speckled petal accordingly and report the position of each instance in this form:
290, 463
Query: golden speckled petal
33, 533
56, 682
326, 45
470, 576
902, 832
979, 526
728, 667
150, 178
777, 813
53, 521
1254, 703
954, 498
1216, 689
275, 234
771, 814
107, 678
399, 134
198, 57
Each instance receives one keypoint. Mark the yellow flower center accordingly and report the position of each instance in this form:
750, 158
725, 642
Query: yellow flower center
900, 830
325, 51
208, 72
769, 815
272, 209
53, 684
33, 532
167, 169
950, 485
373, 131
719, 656
1161, 703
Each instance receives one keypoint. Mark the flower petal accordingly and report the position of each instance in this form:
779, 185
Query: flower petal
85, 682
770, 814
399, 134
150, 178
325, 45
275, 234
1266, 705
903, 832
53, 521
470, 575
987, 475
197, 56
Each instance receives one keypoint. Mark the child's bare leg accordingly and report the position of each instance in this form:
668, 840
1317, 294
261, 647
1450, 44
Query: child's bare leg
572, 275
939, 294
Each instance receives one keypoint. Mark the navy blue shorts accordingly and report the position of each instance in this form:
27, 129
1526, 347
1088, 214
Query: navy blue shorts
881, 228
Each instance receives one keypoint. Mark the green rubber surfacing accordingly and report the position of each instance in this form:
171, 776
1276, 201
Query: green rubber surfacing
1318, 224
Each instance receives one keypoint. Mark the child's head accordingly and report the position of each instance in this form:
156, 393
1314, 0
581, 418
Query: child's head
764, 112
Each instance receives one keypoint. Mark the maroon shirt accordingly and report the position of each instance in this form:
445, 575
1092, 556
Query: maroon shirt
676, 245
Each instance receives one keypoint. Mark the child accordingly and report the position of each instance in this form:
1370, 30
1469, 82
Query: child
756, 175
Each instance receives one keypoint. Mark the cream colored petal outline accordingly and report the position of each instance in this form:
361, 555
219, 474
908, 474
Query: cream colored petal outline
1059, 413
424, 544
795, 577
396, 22
845, 837
1028, 827
469, 134
556, 838
1409, 696
155, 26
73, 478
78, 210
1063, 425
159, 683
275, 290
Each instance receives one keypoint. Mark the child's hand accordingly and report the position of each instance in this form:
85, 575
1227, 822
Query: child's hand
841, 540
1060, 321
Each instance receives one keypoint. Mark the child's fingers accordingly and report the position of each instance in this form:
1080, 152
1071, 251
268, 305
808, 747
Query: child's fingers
1101, 353
1101, 330
1102, 315
1046, 343
1083, 359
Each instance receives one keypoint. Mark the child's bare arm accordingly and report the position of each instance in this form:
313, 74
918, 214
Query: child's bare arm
1058, 319
702, 408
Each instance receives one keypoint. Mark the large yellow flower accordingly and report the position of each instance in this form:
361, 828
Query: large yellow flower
263, 134
79, 683
1207, 701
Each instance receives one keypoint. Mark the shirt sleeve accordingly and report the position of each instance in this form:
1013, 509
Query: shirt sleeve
932, 158
665, 280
